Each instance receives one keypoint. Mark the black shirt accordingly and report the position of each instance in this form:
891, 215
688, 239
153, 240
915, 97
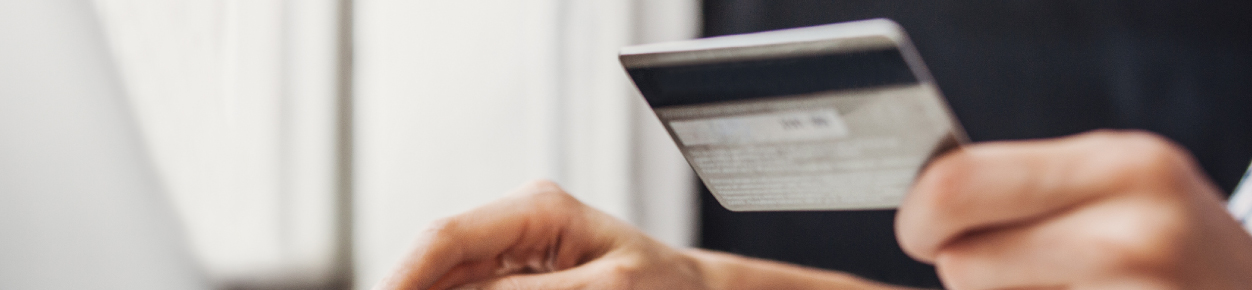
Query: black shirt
1020, 70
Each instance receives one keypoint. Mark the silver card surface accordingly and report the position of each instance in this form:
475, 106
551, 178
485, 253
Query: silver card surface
833, 117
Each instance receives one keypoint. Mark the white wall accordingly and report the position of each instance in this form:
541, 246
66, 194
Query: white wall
453, 106
459, 101
236, 100
666, 204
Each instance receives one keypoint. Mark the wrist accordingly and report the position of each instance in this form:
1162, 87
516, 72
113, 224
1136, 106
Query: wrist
717, 270
733, 272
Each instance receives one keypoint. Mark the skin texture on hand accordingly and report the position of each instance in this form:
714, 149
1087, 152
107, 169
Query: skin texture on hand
539, 237
1102, 210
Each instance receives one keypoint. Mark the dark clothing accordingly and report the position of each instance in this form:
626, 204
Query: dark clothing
1020, 70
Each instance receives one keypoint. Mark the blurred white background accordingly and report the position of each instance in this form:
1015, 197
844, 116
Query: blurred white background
304, 143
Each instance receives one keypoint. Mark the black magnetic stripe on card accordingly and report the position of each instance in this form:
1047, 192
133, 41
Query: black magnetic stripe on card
666, 86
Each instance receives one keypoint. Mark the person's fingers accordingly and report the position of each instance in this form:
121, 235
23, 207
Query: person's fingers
1068, 249
599, 274
465, 273
997, 184
469, 246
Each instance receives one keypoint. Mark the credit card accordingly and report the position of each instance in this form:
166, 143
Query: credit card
833, 117
1240, 203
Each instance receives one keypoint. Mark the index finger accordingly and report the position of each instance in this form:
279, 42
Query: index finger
998, 184
529, 219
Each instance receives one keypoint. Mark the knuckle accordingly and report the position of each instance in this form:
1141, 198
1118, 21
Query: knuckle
543, 185
544, 197
545, 190
552, 198
1157, 152
944, 181
1142, 158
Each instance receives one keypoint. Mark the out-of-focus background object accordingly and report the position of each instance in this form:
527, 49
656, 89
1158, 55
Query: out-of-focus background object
79, 206
304, 143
